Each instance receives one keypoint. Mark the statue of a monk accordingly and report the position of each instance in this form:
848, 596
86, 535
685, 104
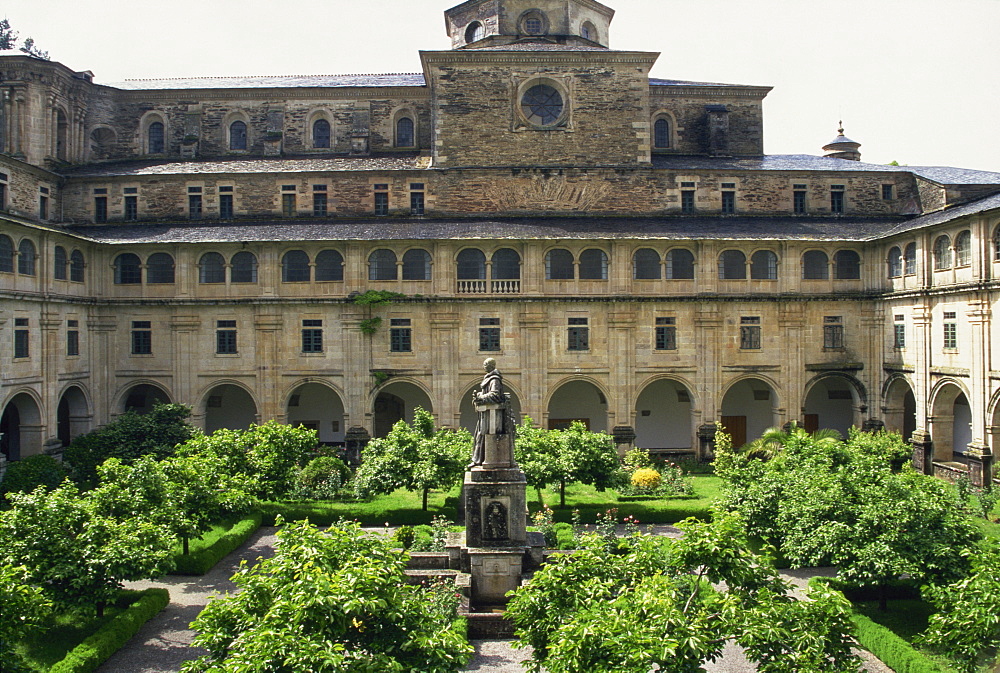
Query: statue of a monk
491, 421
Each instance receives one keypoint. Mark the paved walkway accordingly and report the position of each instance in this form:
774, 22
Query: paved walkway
164, 643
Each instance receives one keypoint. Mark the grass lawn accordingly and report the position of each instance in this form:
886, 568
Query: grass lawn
905, 618
397, 509
68, 628
218, 529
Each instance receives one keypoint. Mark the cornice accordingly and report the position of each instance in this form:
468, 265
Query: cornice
271, 93
537, 58
37, 171
728, 91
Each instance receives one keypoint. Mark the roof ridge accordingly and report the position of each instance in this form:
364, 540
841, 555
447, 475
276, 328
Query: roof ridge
352, 74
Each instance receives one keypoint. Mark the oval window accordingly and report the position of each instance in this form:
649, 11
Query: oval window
542, 105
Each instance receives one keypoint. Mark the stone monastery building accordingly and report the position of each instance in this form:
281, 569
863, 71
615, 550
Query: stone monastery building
619, 243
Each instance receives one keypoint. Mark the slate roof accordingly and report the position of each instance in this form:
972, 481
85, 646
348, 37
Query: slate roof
386, 229
655, 81
537, 46
944, 216
391, 162
272, 81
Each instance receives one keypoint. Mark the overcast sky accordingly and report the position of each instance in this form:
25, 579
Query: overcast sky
916, 81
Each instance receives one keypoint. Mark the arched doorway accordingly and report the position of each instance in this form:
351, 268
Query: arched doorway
396, 401
663, 416
72, 415
468, 418
951, 422
748, 409
832, 403
318, 407
229, 406
900, 410
578, 401
143, 397
21, 428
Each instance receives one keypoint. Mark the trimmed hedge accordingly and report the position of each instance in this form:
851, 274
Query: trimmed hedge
96, 649
201, 561
892, 650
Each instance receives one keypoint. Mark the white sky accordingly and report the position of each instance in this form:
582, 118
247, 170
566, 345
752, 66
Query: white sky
917, 81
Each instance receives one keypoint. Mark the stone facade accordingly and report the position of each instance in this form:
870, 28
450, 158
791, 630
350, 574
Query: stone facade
623, 247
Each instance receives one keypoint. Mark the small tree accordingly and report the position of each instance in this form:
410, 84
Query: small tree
25, 609
415, 457
335, 600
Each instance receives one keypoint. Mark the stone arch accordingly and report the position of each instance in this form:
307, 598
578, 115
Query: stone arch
310, 130
950, 419
61, 140
317, 405
103, 139
21, 425
147, 120
395, 400
993, 429
899, 409
228, 404
467, 412
664, 414
749, 406
73, 414
405, 135
232, 117
577, 399
658, 134
834, 400
140, 396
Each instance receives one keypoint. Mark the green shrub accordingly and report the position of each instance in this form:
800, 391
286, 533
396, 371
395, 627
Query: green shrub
423, 538
29, 473
203, 560
321, 479
404, 536
565, 536
96, 649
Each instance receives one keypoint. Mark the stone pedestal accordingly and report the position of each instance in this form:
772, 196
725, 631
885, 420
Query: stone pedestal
923, 452
980, 460
706, 441
494, 573
495, 508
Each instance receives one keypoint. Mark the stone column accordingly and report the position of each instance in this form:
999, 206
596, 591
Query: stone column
101, 334
534, 363
185, 329
923, 452
269, 328
357, 375
444, 346
621, 382
52, 356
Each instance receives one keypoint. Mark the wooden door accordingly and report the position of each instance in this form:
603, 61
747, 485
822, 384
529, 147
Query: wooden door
736, 427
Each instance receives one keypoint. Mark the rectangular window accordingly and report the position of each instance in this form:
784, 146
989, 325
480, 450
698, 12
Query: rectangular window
72, 337
381, 203
750, 333
489, 334
3, 195
225, 206
899, 332
131, 208
950, 331
225, 337
887, 192
21, 341
687, 201
416, 203
288, 205
579, 334
400, 336
312, 336
319, 204
43, 207
666, 334
728, 202
836, 198
194, 206
833, 332
100, 209
799, 201
142, 337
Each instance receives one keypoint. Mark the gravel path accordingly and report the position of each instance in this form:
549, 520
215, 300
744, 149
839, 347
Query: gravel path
164, 643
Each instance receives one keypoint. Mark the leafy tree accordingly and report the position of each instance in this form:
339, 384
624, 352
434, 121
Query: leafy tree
658, 603
268, 455
8, 40
31, 49
415, 457
334, 600
76, 553
33, 471
25, 608
563, 456
129, 437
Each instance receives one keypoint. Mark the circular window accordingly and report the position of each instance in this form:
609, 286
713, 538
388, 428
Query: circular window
542, 105
475, 32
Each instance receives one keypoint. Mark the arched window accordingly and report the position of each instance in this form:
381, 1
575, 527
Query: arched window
593, 264
764, 265
382, 265
155, 140
6, 254
895, 262
160, 268
680, 264
243, 268
26, 258
76, 266
404, 132
942, 253
963, 248
910, 259
321, 134
59, 263
646, 264
295, 267
212, 268
238, 135
559, 265
506, 264
815, 265
996, 244
471, 264
588, 31
474, 32
847, 265
732, 265
661, 133
128, 269
329, 265
416, 265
